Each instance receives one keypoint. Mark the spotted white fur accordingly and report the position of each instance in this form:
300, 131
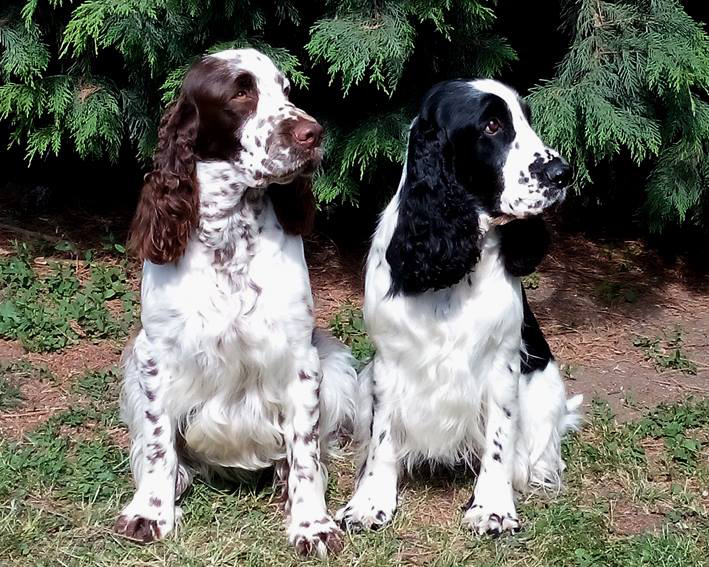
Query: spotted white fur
445, 384
522, 192
227, 373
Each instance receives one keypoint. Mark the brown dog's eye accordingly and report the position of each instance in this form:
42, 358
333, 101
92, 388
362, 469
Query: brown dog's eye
493, 126
241, 94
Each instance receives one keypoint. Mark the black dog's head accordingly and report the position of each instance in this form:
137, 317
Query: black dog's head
472, 156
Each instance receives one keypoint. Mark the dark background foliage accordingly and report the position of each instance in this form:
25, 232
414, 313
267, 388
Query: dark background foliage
620, 86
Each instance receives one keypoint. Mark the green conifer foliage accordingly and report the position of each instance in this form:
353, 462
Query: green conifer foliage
634, 83
92, 77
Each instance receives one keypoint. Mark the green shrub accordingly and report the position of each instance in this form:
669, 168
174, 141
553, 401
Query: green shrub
632, 88
93, 76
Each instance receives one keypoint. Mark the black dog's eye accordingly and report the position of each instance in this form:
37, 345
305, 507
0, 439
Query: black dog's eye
492, 127
241, 94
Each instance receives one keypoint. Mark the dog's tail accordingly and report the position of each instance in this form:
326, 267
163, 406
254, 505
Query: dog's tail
338, 389
546, 415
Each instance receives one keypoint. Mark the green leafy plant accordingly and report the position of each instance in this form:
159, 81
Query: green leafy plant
78, 468
98, 385
666, 353
348, 326
671, 422
50, 312
531, 281
612, 292
93, 76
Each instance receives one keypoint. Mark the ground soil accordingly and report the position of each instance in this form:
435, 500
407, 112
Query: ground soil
592, 298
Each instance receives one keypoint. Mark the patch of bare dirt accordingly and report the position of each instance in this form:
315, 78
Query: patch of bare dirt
78, 359
44, 396
10, 350
595, 298
628, 518
336, 277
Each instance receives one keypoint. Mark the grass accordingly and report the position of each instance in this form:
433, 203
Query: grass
62, 486
49, 309
636, 493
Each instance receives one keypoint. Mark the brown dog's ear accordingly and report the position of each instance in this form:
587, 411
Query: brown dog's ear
294, 204
169, 202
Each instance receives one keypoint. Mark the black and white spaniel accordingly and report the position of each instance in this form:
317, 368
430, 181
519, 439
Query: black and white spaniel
227, 373
462, 371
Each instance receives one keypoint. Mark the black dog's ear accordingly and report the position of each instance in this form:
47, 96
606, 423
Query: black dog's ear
435, 242
523, 244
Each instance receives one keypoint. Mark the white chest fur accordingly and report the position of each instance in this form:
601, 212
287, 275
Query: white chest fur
440, 348
224, 318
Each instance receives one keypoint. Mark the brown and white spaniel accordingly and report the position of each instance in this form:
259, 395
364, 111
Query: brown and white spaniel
228, 372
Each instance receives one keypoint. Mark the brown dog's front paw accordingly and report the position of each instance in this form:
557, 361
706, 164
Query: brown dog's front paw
320, 537
138, 528
147, 521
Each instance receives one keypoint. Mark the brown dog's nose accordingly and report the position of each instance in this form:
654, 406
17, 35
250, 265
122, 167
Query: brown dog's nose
307, 133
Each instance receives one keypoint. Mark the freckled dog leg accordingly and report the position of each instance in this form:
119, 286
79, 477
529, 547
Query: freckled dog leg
491, 509
310, 529
374, 501
151, 513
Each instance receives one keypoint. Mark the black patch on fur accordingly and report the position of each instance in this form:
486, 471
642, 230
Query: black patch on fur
523, 244
453, 173
470, 503
538, 352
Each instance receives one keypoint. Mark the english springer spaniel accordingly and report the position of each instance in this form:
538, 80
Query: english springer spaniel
227, 373
462, 371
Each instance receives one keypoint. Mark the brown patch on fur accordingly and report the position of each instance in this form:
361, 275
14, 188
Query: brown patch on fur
294, 205
201, 124
169, 202
158, 453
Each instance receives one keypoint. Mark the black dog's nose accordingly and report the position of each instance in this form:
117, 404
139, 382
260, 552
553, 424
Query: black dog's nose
558, 172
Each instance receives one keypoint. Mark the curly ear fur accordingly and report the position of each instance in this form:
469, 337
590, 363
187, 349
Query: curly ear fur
435, 242
168, 208
523, 244
294, 204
